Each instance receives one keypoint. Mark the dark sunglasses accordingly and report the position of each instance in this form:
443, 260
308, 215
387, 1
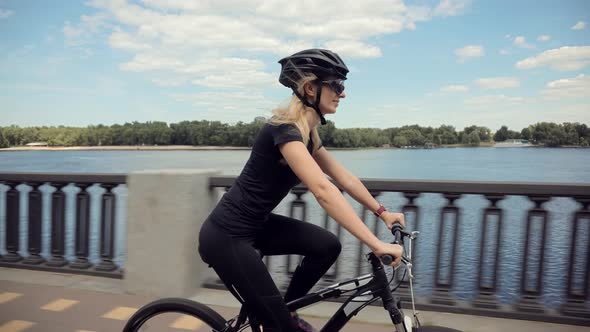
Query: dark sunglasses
336, 85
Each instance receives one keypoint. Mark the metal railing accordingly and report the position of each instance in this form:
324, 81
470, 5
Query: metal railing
475, 254
490, 244
25, 202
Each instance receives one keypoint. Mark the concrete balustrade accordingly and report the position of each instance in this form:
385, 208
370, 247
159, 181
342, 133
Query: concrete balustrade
165, 211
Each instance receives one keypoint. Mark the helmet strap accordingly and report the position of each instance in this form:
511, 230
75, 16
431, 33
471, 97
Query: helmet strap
315, 106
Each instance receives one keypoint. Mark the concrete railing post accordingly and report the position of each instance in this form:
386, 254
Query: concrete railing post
165, 211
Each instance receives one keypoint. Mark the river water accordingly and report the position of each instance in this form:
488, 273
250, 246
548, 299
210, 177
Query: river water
474, 164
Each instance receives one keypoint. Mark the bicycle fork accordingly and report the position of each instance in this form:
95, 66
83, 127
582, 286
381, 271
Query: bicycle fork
391, 305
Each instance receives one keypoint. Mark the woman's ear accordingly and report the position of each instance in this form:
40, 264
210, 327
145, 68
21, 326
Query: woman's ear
310, 89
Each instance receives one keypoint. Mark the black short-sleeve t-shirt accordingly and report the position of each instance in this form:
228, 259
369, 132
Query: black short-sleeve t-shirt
264, 181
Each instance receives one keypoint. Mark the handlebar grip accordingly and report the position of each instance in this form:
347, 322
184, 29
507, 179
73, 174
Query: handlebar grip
386, 259
396, 230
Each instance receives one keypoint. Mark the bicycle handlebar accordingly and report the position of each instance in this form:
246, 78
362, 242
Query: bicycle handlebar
398, 234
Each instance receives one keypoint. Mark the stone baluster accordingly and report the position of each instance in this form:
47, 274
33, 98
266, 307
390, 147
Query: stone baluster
577, 292
12, 224
487, 292
35, 225
531, 291
107, 234
410, 211
443, 286
82, 228
58, 229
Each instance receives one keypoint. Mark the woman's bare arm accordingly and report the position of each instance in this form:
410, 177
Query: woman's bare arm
353, 186
326, 193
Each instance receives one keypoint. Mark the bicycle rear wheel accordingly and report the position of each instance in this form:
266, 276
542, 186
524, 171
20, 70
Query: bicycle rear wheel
172, 313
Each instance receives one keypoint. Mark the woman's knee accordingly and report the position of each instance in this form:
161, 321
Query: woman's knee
329, 247
334, 247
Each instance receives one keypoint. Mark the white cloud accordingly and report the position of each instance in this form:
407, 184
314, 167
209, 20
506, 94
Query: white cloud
493, 100
353, 48
71, 31
504, 52
352, 27
581, 25
544, 38
451, 7
445, 8
496, 83
125, 41
469, 52
563, 59
152, 61
577, 87
178, 42
169, 82
237, 79
277, 27
245, 105
5, 13
221, 65
209, 72
520, 41
454, 88
82, 34
417, 14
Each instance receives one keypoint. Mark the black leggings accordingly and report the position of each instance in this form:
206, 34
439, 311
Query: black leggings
238, 264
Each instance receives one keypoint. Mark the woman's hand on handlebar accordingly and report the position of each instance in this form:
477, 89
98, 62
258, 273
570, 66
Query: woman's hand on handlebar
395, 250
390, 218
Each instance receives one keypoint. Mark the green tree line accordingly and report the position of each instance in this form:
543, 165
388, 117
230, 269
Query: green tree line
215, 133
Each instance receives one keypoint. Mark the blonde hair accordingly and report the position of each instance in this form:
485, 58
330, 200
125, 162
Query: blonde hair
294, 113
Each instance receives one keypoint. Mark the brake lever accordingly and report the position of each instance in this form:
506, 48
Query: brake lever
409, 266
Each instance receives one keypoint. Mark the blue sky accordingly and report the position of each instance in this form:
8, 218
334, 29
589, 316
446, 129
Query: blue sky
453, 62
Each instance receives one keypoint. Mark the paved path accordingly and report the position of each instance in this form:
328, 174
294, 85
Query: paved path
41, 308
33, 301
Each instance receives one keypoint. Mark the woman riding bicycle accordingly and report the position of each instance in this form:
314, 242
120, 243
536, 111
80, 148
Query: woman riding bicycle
287, 151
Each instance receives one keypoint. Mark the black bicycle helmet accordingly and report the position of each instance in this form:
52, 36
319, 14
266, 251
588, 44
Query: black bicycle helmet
322, 63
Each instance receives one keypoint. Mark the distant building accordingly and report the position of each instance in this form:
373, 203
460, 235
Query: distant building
33, 144
513, 143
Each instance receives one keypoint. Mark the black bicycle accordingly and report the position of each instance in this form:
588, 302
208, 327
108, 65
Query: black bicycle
359, 293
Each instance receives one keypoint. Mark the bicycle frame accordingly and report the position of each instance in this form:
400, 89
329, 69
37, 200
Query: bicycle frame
360, 292
365, 289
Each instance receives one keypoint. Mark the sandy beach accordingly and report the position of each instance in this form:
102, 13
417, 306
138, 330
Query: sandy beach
123, 147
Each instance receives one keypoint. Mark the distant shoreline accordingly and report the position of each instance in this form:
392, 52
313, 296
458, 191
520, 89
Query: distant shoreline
219, 148
123, 148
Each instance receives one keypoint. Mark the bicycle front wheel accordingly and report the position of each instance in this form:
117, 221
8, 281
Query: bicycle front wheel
170, 314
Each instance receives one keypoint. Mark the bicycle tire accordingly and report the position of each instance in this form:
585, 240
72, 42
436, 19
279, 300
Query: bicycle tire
176, 305
434, 329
